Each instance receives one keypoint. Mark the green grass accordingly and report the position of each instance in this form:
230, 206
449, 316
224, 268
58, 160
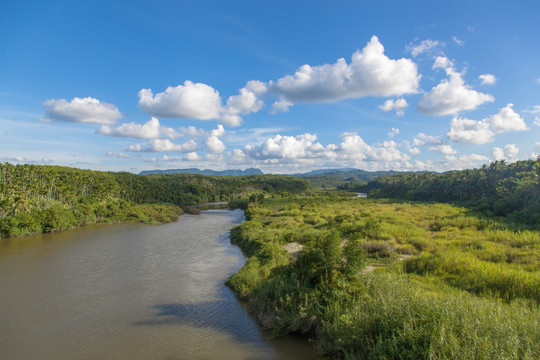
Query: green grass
446, 284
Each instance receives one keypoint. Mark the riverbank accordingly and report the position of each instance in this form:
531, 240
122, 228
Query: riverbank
443, 283
61, 216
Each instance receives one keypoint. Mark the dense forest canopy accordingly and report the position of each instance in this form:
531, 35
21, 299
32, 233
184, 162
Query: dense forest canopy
35, 198
500, 189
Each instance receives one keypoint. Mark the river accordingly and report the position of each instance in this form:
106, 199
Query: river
131, 291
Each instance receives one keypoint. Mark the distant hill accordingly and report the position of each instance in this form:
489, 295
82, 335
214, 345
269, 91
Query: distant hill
250, 171
345, 179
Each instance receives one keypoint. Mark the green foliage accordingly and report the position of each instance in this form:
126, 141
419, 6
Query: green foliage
441, 283
500, 189
37, 198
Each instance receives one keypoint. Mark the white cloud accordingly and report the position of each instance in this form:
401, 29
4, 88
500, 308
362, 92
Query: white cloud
150, 130
118, 155
435, 143
470, 131
393, 133
297, 151
189, 101
506, 120
422, 139
247, 101
191, 156
452, 162
537, 121
282, 105
286, 147
483, 131
192, 131
451, 95
443, 149
353, 146
509, 153
487, 79
202, 102
458, 41
535, 110
163, 145
398, 105
370, 73
424, 46
82, 110
133, 148
213, 143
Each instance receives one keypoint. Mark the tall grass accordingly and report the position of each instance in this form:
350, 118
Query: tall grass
467, 289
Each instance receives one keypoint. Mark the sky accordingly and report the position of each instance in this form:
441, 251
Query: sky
283, 86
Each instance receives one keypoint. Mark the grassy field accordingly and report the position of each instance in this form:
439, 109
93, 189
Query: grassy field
377, 279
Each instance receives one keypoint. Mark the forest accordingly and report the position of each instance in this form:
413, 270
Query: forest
40, 198
499, 189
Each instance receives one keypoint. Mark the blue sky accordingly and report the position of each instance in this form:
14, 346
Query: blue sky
284, 86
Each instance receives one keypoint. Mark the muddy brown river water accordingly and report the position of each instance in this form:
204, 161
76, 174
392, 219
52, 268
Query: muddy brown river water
131, 292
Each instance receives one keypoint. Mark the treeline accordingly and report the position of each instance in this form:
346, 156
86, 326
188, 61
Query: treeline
37, 198
498, 189
344, 179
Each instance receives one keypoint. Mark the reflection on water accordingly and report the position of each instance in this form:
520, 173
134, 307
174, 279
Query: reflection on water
131, 292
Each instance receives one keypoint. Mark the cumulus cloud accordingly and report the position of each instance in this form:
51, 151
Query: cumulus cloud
398, 105
509, 153
82, 110
353, 146
483, 131
370, 73
305, 149
189, 101
451, 95
487, 79
424, 46
470, 131
214, 143
506, 120
443, 149
282, 105
422, 139
191, 156
286, 147
163, 145
202, 102
118, 155
149, 130
452, 162
246, 102
435, 143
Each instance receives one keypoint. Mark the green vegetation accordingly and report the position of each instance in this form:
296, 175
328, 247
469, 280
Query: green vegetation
378, 279
455, 278
343, 179
500, 189
37, 199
